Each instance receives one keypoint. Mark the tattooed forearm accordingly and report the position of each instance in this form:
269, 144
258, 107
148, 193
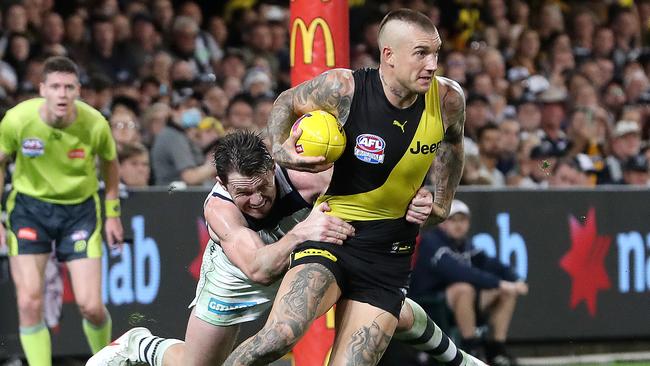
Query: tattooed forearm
367, 345
280, 120
448, 164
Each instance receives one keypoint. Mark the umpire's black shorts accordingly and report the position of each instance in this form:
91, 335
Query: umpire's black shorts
34, 226
366, 269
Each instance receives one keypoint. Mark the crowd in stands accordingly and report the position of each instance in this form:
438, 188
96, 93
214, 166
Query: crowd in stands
558, 92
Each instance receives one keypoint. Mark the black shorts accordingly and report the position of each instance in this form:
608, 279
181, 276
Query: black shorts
367, 271
34, 226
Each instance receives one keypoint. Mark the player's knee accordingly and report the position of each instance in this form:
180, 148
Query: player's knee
30, 306
280, 337
461, 289
92, 311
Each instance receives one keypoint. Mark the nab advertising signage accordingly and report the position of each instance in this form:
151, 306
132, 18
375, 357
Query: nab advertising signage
585, 255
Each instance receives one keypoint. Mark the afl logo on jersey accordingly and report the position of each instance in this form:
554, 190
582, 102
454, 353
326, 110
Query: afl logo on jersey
33, 147
370, 148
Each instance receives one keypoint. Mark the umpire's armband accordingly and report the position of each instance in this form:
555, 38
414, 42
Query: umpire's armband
112, 208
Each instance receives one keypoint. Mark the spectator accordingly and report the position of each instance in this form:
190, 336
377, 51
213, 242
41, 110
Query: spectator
215, 101
489, 137
257, 83
635, 171
107, 57
478, 114
52, 33
508, 144
125, 129
145, 40
15, 21
553, 116
626, 143
134, 165
567, 173
154, 119
208, 132
473, 284
239, 114
261, 111
175, 157
186, 45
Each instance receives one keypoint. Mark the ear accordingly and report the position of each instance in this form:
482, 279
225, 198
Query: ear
388, 54
41, 89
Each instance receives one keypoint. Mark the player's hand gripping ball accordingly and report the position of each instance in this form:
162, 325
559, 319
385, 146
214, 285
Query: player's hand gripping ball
322, 135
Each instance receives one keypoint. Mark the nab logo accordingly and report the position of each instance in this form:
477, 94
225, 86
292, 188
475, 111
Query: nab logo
585, 262
425, 149
370, 148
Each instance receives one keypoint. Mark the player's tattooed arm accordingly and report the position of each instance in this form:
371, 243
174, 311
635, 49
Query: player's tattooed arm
448, 164
331, 91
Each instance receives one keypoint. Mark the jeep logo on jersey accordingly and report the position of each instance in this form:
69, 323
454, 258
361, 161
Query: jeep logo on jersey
370, 148
33, 147
424, 148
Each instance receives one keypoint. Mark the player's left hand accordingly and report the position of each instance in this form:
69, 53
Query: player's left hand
420, 207
114, 232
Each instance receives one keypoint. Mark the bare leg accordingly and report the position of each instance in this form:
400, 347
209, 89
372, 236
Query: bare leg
461, 297
307, 291
363, 333
501, 305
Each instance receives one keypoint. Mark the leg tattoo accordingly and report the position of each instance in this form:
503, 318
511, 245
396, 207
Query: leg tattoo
367, 345
296, 310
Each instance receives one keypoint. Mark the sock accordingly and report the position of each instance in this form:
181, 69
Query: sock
471, 345
36, 344
426, 336
98, 336
494, 348
151, 349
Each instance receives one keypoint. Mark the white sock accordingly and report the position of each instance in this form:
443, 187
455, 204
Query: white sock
151, 349
426, 336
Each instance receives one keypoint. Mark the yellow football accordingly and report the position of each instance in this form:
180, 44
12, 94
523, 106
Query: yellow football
322, 135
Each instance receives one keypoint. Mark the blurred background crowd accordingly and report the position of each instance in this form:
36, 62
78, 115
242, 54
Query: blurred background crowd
558, 92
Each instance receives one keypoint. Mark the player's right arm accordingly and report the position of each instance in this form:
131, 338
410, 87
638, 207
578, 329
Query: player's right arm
265, 263
332, 91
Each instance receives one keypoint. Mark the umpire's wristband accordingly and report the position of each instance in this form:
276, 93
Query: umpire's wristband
112, 208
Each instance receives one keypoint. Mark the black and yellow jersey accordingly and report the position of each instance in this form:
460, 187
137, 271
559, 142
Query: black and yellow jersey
388, 153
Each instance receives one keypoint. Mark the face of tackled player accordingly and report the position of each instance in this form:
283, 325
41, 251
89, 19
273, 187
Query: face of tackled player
254, 195
60, 89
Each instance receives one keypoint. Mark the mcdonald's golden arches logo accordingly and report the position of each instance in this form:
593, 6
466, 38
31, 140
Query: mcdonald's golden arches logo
308, 34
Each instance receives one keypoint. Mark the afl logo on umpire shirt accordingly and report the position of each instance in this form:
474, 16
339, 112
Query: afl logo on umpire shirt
370, 148
33, 147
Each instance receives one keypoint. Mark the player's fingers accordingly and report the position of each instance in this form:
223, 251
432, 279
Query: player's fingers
413, 219
294, 135
324, 207
341, 226
333, 237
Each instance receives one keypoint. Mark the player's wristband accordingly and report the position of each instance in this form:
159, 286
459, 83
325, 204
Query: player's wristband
112, 208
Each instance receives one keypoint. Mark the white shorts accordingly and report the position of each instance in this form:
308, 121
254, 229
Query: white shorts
224, 295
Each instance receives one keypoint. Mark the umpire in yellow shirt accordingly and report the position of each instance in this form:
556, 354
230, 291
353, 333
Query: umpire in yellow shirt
55, 140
